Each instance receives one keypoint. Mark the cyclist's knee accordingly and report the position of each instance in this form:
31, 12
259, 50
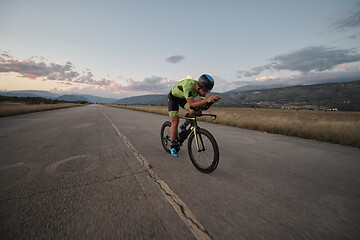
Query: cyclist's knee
174, 121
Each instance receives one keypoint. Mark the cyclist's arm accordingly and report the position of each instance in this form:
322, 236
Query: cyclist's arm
195, 104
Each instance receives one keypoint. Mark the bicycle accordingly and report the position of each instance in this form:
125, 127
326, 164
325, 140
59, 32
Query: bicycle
202, 146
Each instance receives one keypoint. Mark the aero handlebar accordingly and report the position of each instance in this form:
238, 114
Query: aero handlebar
198, 110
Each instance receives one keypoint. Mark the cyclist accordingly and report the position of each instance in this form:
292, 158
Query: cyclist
183, 94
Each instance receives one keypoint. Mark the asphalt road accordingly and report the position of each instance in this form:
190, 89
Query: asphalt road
97, 172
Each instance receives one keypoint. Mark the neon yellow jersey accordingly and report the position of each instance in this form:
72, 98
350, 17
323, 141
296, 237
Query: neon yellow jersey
185, 89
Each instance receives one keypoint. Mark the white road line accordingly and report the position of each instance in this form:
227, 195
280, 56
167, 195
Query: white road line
180, 207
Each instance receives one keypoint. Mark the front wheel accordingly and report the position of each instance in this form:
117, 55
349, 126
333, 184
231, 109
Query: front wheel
203, 151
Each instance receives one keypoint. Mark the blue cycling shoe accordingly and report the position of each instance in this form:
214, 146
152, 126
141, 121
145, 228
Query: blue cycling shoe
174, 152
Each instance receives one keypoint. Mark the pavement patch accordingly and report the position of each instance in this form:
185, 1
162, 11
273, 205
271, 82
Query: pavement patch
89, 163
12, 166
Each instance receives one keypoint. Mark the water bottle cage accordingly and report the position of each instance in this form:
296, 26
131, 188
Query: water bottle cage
183, 135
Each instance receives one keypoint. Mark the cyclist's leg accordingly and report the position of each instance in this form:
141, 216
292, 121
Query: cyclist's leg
186, 106
173, 128
173, 107
173, 134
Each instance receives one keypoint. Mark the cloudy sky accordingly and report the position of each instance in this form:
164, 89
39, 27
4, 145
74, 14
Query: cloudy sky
116, 48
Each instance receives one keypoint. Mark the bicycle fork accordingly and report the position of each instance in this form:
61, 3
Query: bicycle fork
198, 139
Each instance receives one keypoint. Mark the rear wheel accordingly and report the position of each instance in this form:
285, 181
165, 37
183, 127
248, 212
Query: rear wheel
203, 151
165, 137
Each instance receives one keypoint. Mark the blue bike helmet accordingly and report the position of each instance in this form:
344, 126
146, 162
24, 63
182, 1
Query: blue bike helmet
206, 82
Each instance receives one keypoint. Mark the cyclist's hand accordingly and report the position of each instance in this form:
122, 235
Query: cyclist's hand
217, 98
213, 98
190, 110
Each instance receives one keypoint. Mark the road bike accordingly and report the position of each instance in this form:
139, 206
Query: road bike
202, 146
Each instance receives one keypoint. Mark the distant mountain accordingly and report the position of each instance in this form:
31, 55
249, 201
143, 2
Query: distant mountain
73, 98
154, 99
50, 95
95, 99
346, 91
344, 96
247, 88
30, 93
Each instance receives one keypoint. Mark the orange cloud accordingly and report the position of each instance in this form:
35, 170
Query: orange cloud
265, 78
28, 75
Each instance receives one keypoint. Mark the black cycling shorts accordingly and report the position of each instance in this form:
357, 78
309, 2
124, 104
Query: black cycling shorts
174, 103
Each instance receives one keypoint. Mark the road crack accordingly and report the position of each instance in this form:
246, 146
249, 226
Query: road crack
179, 206
183, 208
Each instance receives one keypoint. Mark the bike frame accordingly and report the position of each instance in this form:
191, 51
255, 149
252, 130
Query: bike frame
195, 128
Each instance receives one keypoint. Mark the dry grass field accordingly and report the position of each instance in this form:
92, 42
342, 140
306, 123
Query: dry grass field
336, 127
11, 108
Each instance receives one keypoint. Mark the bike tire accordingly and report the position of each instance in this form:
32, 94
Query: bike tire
165, 137
205, 161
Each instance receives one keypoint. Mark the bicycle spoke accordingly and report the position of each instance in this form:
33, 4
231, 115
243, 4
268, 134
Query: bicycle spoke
203, 153
165, 136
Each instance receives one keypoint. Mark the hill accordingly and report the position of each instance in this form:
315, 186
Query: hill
30, 93
73, 98
154, 99
50, 95
343, 96
247, 88
31, 100
96, 99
